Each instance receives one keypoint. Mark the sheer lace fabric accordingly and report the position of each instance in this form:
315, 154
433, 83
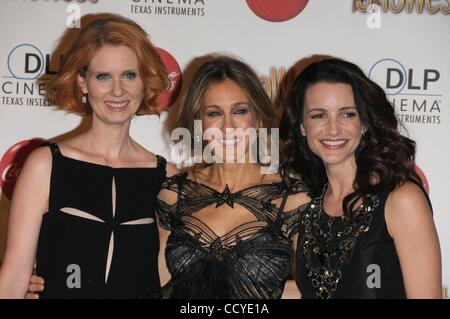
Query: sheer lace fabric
250, 261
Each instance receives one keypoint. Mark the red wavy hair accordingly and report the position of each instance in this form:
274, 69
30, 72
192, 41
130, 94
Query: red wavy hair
64, 90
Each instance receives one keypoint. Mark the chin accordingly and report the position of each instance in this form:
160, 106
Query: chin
334, 160
118, 121
228, 158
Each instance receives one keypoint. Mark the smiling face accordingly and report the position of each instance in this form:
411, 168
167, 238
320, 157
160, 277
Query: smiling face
331, 123
226, 106
113, 84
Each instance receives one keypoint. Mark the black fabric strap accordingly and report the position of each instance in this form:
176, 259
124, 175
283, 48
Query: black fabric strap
283, 202
53, 147
161, 162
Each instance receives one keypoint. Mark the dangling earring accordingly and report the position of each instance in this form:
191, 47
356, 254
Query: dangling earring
364, 131
84, 98
85, 101
304, 139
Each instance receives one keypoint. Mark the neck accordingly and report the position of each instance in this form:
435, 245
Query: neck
235, 175
340, 180
110, 141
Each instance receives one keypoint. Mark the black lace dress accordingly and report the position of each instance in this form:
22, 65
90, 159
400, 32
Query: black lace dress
251, 261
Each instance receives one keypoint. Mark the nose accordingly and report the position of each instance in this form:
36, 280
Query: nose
227, 122
333, 126
117, 89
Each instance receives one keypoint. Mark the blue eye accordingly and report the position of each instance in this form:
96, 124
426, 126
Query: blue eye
102, 76
130, 75
213, 113
241, 111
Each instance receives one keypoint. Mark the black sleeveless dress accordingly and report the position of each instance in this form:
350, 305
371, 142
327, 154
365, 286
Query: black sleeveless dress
338, 259
251, 261
99, 238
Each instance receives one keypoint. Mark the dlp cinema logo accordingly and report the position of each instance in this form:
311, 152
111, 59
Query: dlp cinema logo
413, 91
27, 65
397, 78
27, 62
277, 10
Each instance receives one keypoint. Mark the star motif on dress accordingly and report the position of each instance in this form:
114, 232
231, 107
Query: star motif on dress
225, 198
197, 237
217, 248
268, 205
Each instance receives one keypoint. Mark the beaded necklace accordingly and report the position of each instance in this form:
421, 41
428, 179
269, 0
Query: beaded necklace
329, 242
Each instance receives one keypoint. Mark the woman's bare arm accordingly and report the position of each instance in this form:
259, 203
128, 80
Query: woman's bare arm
410, 223
29, 203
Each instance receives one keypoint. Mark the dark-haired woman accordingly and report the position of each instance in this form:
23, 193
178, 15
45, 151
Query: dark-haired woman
369, 231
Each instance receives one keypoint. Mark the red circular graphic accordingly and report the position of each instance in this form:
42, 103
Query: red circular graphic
12, 163
167, 98
277, 10
423, 179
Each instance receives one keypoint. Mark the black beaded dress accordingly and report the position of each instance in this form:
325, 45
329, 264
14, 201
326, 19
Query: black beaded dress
251, 261
99, 238
336, 258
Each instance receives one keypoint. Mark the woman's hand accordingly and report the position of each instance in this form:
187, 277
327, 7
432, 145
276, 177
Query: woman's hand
35, 287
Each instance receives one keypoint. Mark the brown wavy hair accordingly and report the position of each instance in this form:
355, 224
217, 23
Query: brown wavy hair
384, 157
64, 90
218, 69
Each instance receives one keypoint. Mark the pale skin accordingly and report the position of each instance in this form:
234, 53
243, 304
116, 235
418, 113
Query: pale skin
225, 105
333, 130
115, 92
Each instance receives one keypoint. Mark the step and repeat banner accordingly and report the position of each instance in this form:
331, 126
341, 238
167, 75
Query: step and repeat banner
402, 44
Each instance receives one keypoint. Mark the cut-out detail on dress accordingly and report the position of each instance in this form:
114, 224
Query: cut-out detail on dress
110, 255
84, 221
79, 213
82, 214
111, 240
142, 221
113, 196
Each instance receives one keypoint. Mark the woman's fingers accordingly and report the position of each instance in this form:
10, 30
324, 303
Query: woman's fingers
36, 288
37, 280
30, 295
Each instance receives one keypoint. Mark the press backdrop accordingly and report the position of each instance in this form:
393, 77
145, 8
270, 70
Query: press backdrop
403, 45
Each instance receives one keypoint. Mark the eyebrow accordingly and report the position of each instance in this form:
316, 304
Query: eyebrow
109, 72
233, 105
204, 107
344, 108
241, 104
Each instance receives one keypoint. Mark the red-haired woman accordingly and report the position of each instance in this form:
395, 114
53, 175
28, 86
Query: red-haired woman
85, 207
